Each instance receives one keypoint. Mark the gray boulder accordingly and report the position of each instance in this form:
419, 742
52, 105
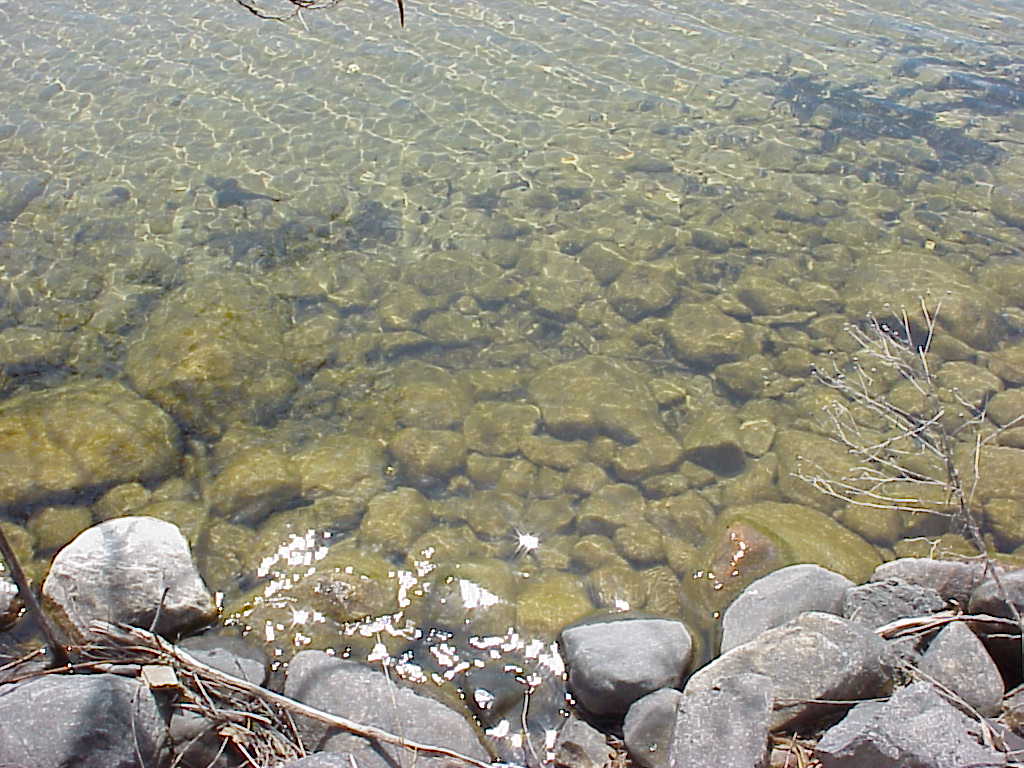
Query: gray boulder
321, 760
814, 658
879, 602
725, 725
988, 598
128, 570
614, 662
81, 721
915, 728
957, 659
952, 579
650, 727
779, 597
359, 693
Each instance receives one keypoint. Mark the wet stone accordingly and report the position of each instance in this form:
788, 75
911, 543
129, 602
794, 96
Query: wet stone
642, 290
550, 601
90, 435
213, 353
612, 663
395, 519
341, 465
254, 483
649, 727
428, 457
617, 588
498, 429
610, 508
712, 441
704, 336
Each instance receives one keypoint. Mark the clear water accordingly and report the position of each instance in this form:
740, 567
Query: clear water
464, 193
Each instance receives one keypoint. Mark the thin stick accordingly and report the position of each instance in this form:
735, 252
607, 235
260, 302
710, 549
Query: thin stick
57, 648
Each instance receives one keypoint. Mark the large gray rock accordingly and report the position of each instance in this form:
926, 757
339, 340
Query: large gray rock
650, 727
879, 602
725, 725
81, 721
988, 597
613, 663
814, 658
916, 728
88, 435
213, 354
128, 570
359, 693
779, 597
952, 579
957, 660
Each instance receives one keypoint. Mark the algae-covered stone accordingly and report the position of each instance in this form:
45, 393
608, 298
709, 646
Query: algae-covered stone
493, 514
704, 336
213, 353
253, 483
686, 516
609, 508
342, 465
551, 452
228, 552
561, 286
189, 516
1008, 363
747, 378
643, 289
53, 527
712, 440
617, 587
430, 397
805, 454
664, 595
81, 436
1006, 407
394, 520
477, 596
640, 543
804, 535
653, 455
595, 395
891, 281
1008, 204
308, 587
593, 551
550, 601
121, 500
498, 429
992, 472
765, 295
1006, 519
444, 543
428, 457
967, 383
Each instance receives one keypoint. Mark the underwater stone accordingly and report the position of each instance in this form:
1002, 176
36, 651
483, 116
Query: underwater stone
88, 435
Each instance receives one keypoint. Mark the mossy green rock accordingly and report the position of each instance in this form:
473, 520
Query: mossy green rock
213, 354
342, 465
1008, 363
640, 543
428, 457
82, 436
430, 397
254, 483
550, 601
890, 281
704, 336
477, 596
610, 508
805, 535
53, 527
394, 520
499, 429
713, 441
617, 587
805, 454
643, 289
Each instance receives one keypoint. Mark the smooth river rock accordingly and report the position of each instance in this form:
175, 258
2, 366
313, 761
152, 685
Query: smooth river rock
88, 435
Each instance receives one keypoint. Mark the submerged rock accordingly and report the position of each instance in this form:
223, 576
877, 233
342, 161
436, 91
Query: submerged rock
82, 436
213, 354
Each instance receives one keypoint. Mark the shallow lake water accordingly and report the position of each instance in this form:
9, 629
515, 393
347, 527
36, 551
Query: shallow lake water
549, 280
